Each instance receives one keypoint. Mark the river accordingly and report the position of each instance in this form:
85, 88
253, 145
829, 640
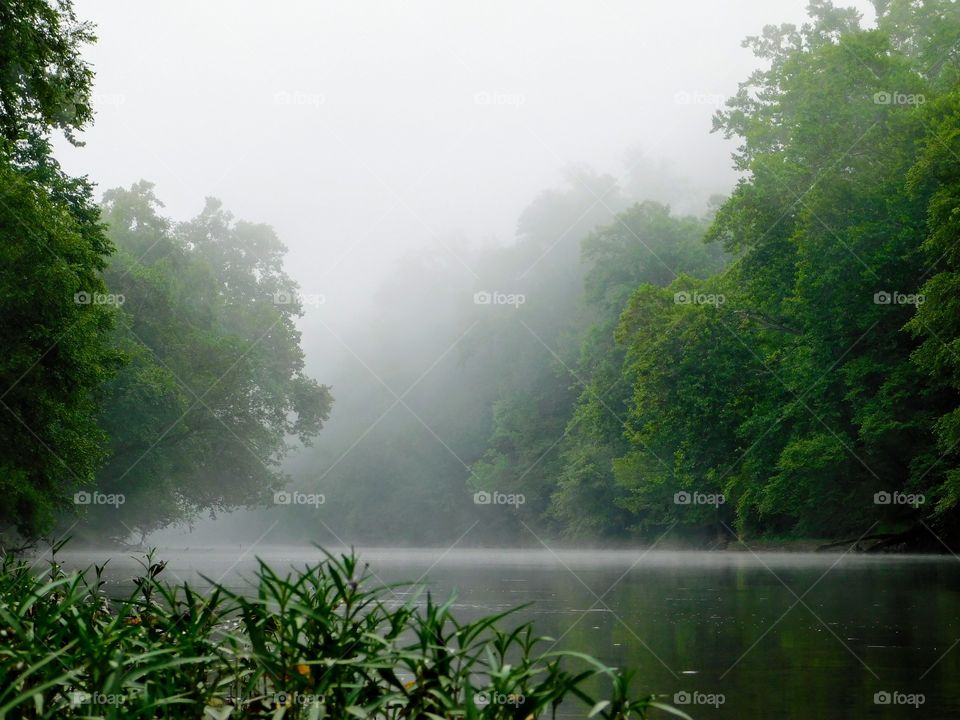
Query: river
721, 635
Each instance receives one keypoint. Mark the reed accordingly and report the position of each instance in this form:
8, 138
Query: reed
325, 641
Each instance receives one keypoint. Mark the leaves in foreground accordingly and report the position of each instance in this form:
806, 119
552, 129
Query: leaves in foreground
320, 642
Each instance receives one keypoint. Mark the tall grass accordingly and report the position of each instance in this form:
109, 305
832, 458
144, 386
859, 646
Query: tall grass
322, 642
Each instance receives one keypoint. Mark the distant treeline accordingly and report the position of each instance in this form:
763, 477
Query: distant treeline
787, 366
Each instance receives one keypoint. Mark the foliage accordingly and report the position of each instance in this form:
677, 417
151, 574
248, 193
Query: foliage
55, 340
44, 81
820, 370
213, 391
799, 363
321, 642
937, 321
55, 355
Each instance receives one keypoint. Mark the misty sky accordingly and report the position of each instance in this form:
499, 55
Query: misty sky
362, 129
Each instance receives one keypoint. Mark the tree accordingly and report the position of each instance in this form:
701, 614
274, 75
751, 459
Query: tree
937, 322
213, 390
645, 245
534, 346
55, 355
826, 233
55, 329
44, 82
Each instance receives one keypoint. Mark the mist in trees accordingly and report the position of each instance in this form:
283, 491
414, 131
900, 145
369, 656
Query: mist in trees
642, 354
785, 351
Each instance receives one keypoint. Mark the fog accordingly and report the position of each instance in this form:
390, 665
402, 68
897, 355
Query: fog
363, 130
375, 135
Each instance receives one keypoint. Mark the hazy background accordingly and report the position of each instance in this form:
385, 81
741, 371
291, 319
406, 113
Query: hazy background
363, 131
358, 129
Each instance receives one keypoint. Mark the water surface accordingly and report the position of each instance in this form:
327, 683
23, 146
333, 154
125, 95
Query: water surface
776, 635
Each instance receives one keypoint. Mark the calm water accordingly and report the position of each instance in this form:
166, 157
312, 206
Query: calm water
720, 626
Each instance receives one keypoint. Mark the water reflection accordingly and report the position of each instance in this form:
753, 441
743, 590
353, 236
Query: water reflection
734, 635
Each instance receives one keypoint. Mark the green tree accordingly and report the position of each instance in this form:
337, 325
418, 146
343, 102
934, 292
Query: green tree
55, 355
213, 392
44, 81
937, 322
55, 330
644, 245
825, 229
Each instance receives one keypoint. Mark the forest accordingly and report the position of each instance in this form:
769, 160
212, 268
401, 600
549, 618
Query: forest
784, 364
